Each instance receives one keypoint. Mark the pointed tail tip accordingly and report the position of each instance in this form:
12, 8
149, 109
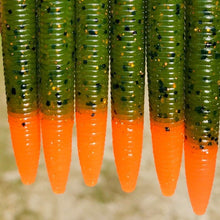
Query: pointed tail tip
167, 141
57, 144
91, 132
27, 180
127, 145
25, 135
58, 189
127, 187
200, 170
168, 191
200, 210
90, 181
58, 183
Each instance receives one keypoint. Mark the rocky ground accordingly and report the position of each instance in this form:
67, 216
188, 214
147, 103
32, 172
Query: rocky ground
104, 201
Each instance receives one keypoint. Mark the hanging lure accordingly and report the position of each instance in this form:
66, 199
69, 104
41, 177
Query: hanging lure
127, 88
56, 86
165, 66
92, 68
19, 55
202, 99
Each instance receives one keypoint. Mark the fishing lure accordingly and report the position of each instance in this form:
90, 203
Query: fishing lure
92, 68
56, 86
19, 56
165, 66
127, 88
202, 99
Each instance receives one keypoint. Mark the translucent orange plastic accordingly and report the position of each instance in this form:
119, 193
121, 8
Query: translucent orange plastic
167, 141
25, 136
91, 132
200, 170
57, 144
127, 144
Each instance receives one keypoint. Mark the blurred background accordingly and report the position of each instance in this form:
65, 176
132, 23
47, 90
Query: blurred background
105, 200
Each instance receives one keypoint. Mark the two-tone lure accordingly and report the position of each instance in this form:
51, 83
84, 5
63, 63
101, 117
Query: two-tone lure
19, 55
202, 99
56, 86
92, 68
165, 66
127, 88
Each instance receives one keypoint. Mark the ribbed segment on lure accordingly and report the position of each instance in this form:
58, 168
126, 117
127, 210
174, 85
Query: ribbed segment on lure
91, 144
57, 141
127, 88
167, 140
56, 86
200, 172
19, 55
127, 141
202, 99
25, 135
165, 66
92, 68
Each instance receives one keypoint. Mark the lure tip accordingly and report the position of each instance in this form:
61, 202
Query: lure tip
199, 210
57, 144
127, 144
168, 191
27, 181
127, 186
167, 141
58, 189
200, 170
91, 132
90, 182
25, 135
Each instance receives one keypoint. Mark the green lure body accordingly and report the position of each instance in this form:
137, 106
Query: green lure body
19, 55
202, 71
165, 60
56, 56
127, 59
92, 54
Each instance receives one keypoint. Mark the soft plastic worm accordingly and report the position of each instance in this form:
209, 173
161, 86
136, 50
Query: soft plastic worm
56, 86
92, 68
202, 99
127, 87
19, 55
165, 66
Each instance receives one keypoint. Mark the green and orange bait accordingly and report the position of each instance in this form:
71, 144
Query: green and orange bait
165, 67
127, 88
202, 75
92, 74
56, 86
20, 69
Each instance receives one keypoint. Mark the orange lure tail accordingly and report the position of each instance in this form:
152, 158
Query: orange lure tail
200, 171
127, 145
91, 131
167, 140
25, 135
57, 143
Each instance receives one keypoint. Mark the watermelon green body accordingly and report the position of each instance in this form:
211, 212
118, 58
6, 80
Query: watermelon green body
92, 54
56, 57
165, 60
127, 59
202, 71
19, 54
